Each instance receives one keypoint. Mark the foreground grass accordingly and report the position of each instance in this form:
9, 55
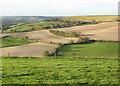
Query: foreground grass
12, 41
59, 71
97, 49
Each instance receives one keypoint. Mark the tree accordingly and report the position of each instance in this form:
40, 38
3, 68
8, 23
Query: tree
79, 40
86, 39
71, 41
73, 34
26, 37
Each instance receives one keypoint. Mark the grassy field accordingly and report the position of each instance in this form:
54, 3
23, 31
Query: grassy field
100, 18
12, 41
59, 71
21, 27
100, 49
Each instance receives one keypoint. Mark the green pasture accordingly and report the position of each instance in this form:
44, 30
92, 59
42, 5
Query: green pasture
59, 71
97, 49
12, 41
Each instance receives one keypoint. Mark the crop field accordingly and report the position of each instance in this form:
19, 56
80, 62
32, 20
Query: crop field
12, 41
59, 71
97, 49
103, 18
28, 50
43, 36
101, 31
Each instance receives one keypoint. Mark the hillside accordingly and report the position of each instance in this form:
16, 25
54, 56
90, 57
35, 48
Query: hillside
103, 18
28, 23
12, 20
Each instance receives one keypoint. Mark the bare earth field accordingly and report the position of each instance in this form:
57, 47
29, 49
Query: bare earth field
28, 50
102, 31
43, 36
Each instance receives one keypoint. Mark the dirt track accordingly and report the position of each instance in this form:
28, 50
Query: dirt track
27, 50
102, 31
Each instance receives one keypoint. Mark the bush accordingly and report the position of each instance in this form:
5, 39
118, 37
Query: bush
46, 53
71, 41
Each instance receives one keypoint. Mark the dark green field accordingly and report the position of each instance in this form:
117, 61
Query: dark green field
97, 49
59, 71
12, 41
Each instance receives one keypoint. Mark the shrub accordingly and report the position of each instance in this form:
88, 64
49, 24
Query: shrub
46, 53
71, 41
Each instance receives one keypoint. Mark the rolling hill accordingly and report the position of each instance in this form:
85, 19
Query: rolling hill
101, 18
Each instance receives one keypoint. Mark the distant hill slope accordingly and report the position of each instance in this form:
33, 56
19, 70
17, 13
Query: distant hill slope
12, 20
102, 18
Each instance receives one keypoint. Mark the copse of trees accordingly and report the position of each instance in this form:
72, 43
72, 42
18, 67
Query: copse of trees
65, 34
70, 23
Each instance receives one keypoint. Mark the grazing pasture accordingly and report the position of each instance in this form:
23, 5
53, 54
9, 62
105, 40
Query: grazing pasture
13, 41
97, 49
59, 71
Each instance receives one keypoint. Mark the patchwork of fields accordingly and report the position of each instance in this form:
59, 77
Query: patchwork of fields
103, 31
64, 69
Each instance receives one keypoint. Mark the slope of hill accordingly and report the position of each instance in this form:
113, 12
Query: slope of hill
102, 31
104, 18
11, 20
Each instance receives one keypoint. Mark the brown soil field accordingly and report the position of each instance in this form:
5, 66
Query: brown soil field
28, 50
43, 36
102, 31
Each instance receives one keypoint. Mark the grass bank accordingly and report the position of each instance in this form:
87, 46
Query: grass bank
13, 41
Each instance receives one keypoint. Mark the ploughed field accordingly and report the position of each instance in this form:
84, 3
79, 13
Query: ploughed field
44, 36
90, 50
102, 31
59, 71
28, 50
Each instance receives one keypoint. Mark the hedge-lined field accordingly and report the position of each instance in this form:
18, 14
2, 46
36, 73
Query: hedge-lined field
12, 41
96, 49
59, 71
